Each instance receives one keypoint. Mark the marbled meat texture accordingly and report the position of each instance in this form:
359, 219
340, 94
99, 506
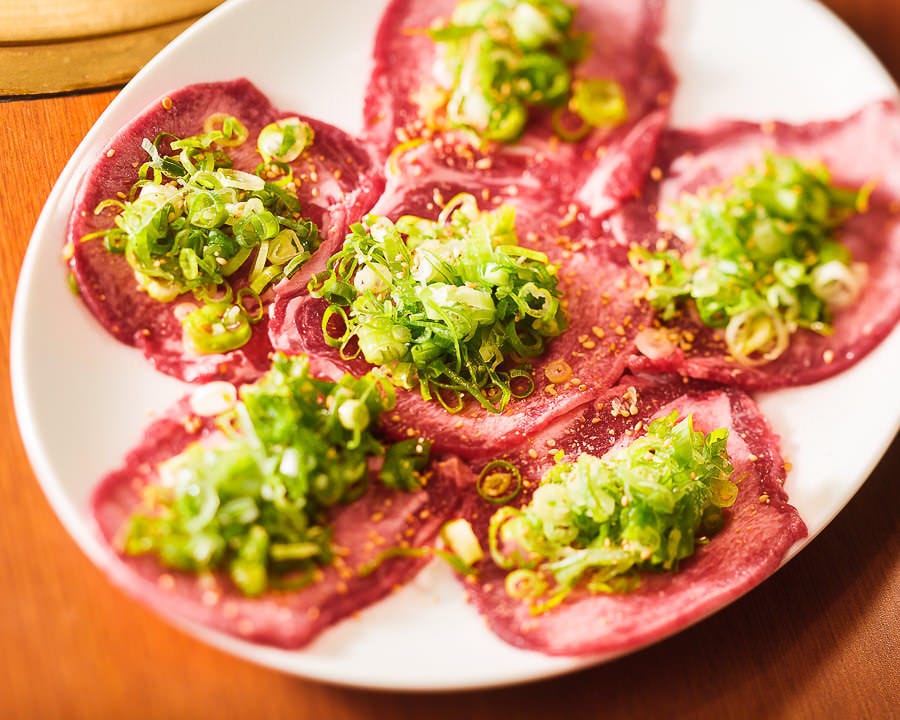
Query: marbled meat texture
381, 519
859, 149
759, 528
600, 171
337, 183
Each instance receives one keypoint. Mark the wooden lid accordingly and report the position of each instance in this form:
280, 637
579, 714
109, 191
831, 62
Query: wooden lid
47, 20
53, 46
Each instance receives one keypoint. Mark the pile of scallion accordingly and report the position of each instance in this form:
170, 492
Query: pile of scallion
452, 304
765, 259
192, 224
598, 521
254, 503
499, 58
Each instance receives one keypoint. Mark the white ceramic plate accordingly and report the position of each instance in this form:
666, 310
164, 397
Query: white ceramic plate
82, 399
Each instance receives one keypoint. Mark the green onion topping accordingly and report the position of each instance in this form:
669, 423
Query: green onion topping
254, 504
502, 57
598, 521
284, 140
445, 303
765, 260
499, 482
192, 222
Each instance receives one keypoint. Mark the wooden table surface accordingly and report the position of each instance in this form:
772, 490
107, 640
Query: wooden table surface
817, 640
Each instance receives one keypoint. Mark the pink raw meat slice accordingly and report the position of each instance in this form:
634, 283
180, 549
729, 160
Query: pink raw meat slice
337, 184
599, 295
599, 171
381, 519
858, 149
759, 529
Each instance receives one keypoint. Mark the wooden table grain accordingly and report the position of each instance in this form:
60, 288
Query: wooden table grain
818, 640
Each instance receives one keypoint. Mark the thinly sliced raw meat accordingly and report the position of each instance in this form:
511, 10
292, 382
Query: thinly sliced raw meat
759, 528
599, 296
381, 519
337, 184
859, 149
599, 171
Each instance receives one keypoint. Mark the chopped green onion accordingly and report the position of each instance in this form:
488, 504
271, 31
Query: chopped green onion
193, 221
600, 103
568, 125
836, 283
756, 336
443, 303
254, 504
284, 140
499, 482
460, 539
403, 464
765, 260
600, 521
72, 282
500, 58
232, 131
217, 328
251, 303
523, 584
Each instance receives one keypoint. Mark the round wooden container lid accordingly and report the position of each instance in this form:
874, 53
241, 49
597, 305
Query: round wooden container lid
53, 46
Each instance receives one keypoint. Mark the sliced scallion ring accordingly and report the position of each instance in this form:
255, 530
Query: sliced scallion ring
568, 125
499, 482
217, 328
756, 336
284, 140
233, 131
599, 102
524, 584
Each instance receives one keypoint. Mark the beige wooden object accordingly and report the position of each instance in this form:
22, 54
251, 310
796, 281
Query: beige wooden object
53, 46
29, 21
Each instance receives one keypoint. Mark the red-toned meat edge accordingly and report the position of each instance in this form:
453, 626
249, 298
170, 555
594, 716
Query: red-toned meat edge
759, 528
381, 519
862, 148
337, 183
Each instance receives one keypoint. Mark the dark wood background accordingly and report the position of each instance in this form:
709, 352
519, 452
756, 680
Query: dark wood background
818, 640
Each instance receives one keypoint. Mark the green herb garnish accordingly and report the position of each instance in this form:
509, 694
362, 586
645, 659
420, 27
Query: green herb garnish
503, 57
254, 504
443, 303
765, 260
192, 222
499, 482
601, 520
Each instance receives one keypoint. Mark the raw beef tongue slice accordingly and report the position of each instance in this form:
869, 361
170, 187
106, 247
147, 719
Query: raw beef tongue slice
338, 183
858, 149
759, 528
600, 296
381, 519
601, 170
